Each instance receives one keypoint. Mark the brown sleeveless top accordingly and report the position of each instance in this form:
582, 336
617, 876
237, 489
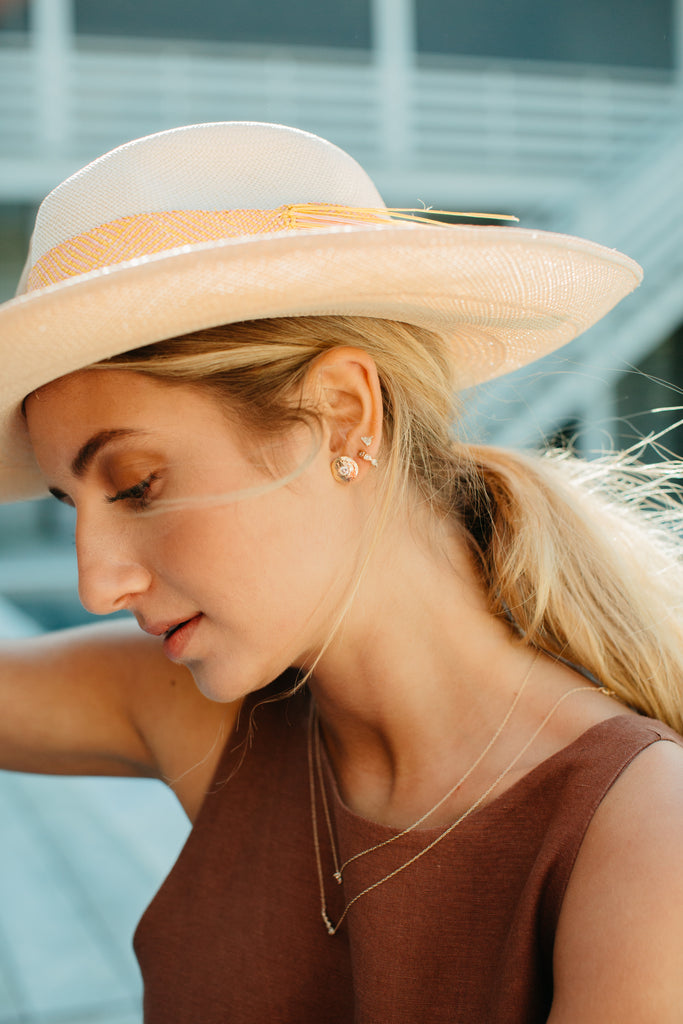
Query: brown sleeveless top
464, 935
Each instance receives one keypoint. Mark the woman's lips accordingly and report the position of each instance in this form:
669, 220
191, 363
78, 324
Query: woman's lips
177, 640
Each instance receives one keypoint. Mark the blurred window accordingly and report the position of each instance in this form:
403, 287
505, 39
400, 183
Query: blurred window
632, 33
13, 16
296, 22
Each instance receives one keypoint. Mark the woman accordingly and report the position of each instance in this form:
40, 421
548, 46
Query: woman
412, 736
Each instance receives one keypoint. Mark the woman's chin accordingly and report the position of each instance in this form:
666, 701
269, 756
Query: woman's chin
227, 685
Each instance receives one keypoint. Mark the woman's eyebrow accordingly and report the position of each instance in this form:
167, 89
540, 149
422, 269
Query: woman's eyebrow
91, 447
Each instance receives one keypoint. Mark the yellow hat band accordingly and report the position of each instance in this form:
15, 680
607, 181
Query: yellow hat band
146, 233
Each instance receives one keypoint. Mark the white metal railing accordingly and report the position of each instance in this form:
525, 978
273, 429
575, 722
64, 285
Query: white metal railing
476, 129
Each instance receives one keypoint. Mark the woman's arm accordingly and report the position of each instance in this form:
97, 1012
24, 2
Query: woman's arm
619, 945
104, 700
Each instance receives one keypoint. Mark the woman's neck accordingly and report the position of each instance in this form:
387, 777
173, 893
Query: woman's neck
418, 678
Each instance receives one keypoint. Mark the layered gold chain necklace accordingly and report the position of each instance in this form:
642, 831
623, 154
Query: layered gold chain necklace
315, 773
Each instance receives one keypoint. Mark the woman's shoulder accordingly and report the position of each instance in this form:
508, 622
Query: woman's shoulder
619, 941
577, 756
617, 739
647, 791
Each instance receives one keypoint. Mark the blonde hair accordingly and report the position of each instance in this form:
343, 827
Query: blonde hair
579, 557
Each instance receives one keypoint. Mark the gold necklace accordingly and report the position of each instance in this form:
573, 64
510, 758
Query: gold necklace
333, 928
339, 870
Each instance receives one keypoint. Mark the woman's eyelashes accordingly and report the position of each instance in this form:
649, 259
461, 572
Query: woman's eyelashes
138, 496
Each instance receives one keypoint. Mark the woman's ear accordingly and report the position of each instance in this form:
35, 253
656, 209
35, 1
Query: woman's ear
344, 385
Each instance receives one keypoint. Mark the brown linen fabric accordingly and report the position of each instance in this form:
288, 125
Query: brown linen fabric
465, 935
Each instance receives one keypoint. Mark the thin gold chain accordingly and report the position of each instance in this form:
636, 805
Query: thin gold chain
339, 871
333, 928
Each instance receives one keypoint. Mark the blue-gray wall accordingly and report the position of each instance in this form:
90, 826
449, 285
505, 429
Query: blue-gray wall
630, 33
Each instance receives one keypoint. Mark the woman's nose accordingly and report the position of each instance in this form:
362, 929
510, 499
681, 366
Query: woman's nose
110, 576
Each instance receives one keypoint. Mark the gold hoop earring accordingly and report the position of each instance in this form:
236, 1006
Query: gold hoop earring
344, 469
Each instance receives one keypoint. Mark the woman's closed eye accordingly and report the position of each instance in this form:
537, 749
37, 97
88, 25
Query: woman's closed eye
139, 495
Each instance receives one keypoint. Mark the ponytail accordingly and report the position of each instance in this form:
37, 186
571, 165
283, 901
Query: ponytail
582, 558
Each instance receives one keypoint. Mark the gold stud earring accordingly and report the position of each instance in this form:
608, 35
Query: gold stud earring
367, 441
344, 469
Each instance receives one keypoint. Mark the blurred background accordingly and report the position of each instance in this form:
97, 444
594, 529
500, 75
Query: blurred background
568, 114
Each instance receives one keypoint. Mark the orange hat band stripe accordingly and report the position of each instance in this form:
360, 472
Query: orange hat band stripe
147, 233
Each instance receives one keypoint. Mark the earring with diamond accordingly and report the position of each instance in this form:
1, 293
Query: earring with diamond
344, 469
362, 454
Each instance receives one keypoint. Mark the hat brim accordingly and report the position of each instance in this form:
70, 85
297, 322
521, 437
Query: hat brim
501, 296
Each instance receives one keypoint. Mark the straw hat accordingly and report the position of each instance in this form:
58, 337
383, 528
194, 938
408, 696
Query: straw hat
215, 223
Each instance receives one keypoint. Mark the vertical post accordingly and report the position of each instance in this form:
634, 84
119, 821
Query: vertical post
394, 46
677, 40
52, 30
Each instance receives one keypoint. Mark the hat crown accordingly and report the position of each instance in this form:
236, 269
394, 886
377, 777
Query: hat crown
225, 165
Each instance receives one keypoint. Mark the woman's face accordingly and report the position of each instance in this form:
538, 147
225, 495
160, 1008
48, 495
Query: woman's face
255, 580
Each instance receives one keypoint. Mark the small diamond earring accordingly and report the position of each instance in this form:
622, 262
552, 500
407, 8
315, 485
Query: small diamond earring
367, 441
368, 458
